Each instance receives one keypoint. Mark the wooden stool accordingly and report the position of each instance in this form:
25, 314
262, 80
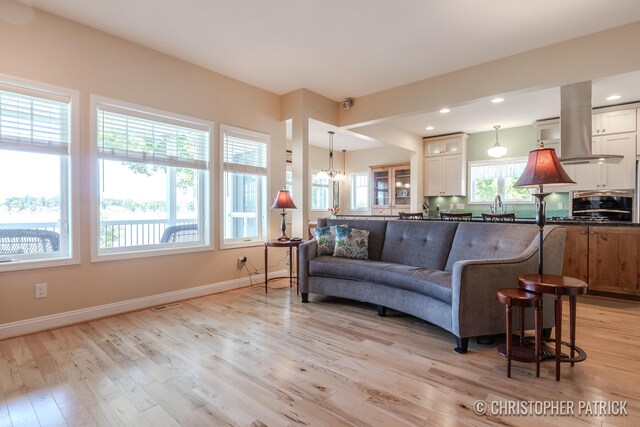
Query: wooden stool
522, 352
559, 286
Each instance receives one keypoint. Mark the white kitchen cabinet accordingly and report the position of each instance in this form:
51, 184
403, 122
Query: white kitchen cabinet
619, 176
609, 176
569, 169
445, 165
611, 122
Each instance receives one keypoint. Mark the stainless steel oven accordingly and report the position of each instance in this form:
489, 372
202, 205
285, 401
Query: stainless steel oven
614, 205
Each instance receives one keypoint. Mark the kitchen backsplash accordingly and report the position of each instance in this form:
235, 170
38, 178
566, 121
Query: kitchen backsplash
455, 203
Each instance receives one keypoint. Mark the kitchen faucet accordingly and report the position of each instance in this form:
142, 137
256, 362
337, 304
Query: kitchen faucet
497, 203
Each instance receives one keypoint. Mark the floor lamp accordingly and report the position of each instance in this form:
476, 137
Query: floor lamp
543, 168
283, 201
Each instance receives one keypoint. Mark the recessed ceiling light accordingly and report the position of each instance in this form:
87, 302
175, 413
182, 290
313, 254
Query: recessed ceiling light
497, 100
445, 110
429, 128
613, 97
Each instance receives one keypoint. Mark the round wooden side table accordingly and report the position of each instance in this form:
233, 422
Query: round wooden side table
291, 244
523, 351
559, 286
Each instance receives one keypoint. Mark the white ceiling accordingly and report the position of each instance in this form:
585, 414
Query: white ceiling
350, 48
342, 140
517, 109
343, 48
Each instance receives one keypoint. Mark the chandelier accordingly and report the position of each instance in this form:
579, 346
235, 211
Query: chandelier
330, 173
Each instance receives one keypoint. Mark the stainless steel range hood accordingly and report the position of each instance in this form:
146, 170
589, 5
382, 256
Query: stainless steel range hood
575, 126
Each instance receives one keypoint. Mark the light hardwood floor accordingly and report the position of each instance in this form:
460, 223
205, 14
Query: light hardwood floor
246, 358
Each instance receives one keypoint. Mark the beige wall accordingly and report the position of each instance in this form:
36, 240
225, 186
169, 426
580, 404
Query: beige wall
55, 51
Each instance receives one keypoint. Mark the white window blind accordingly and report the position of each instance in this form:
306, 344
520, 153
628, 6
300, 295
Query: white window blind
34, 121
137, 136
244, 153
498, 170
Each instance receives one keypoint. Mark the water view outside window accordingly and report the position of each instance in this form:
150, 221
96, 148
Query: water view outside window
35, 146
152, 174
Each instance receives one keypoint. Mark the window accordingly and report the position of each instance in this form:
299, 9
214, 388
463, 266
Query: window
36, 137
319, 192
244, 197
490, 178
360, 191
152, 179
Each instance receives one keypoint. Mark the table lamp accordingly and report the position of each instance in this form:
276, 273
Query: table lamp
283, 201
543, 168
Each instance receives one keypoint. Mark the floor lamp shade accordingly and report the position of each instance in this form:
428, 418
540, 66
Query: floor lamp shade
543, 168
283, 201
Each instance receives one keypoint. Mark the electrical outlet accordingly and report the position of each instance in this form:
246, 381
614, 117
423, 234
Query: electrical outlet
242, 261
560, 205
460, 206
41, 290
451, 206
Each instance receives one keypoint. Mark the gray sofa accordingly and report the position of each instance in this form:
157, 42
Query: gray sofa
443, 272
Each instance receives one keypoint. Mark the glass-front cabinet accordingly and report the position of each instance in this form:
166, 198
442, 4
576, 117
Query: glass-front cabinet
391, 189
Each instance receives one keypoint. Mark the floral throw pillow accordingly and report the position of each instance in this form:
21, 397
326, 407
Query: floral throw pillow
326, 239
352, 243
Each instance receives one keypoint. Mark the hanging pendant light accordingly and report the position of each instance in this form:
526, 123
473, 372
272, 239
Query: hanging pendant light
497, 150
330, 173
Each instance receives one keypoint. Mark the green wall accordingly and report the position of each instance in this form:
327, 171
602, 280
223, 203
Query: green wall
519, 141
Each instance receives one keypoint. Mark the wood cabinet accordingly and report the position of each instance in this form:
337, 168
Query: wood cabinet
605, 257
576, 253
611, 122
390, 189
445, 165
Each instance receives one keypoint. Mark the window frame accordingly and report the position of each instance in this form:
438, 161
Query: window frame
494, 162
262, 193
204, 184
354, 176
69, 170
328, 199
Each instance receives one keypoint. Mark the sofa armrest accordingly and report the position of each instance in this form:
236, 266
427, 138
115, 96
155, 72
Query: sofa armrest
475, 310
306, 252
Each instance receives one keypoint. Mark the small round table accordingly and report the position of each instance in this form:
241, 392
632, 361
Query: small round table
522, 352
275, 243
559, 286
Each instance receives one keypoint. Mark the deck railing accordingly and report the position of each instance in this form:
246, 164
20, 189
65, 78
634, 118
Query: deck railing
115, 234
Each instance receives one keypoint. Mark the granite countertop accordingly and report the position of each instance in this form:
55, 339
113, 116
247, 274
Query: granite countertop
529, 220
519, 220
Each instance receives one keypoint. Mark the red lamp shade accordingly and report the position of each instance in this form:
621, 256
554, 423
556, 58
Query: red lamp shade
283, 200
543, 168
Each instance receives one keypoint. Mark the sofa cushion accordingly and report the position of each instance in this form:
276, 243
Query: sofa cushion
326, 239
376, 230
489, 241
433, 283
419, 243
351, 243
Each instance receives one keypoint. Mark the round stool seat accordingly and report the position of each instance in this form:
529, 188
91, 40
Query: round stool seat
518, 297
523, 351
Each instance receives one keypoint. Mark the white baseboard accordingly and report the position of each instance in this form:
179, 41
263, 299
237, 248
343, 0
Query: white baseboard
37, 324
